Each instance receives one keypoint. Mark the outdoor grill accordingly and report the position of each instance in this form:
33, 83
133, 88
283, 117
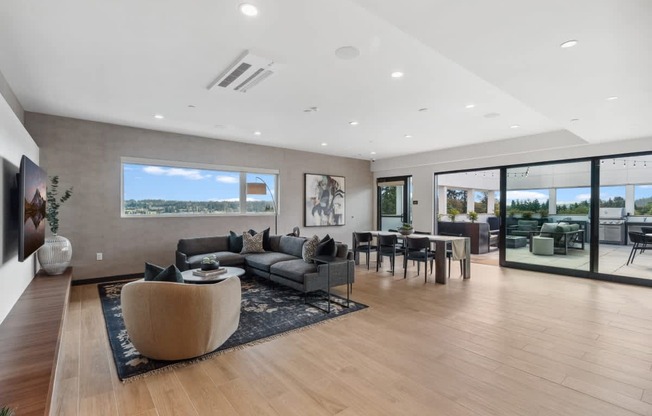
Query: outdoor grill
612, 226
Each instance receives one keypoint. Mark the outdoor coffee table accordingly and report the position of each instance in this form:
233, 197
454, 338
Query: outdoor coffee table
515, 241
188, 277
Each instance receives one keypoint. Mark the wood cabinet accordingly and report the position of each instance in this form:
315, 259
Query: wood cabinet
478, 232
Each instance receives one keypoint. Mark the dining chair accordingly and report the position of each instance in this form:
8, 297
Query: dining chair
449, 253
648, 233
387, 247
418, 249
362, 244
640, 241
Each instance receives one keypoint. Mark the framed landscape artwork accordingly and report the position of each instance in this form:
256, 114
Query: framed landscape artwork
325, 200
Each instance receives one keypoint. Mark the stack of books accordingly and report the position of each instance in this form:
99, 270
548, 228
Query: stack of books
209, 273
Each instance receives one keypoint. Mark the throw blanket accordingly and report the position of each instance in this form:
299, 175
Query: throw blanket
459, 249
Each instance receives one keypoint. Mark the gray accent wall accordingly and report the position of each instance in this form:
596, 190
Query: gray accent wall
86, 155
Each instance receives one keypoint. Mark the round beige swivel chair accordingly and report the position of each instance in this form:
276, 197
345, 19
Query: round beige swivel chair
174, 321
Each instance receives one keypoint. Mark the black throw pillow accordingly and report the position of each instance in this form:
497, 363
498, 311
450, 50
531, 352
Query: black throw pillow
266, 244
326, 248
235, 242
171, 274
152, 270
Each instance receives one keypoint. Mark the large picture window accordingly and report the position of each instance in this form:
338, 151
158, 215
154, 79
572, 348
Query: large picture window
643, 200
161, 188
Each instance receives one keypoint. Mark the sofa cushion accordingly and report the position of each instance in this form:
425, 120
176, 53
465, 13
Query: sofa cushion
293, 269
563, 228
527, 225
274, 242
548, 228
201, 245
151, 271
226, 258
235, 242
171, 274
266, 245
291, 245
264, 261
309, 249
252, 243
326, 247
342, 250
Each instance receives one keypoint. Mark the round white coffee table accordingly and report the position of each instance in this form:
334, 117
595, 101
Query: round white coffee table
188, 277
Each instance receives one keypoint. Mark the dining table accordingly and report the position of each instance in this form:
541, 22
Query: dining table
461, 250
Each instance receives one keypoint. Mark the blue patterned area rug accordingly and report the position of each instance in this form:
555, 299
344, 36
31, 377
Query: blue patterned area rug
268, 311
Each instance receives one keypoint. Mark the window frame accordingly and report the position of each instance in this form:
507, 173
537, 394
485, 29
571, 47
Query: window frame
243, 171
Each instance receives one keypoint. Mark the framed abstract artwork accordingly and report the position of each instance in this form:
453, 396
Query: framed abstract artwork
324, 200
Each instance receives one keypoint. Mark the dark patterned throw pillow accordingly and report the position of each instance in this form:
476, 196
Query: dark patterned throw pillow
266, 244
309, 249
252, 243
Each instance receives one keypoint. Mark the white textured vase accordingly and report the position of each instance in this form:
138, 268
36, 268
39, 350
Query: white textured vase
55, 254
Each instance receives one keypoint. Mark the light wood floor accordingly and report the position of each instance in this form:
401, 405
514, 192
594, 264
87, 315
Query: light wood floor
506, 342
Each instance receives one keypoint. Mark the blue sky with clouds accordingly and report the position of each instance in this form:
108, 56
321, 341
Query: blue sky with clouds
572, 195
185, 184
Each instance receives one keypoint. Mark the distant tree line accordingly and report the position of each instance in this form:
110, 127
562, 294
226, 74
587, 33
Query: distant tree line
161, 206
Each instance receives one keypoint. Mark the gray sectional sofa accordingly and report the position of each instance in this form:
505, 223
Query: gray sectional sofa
282, 263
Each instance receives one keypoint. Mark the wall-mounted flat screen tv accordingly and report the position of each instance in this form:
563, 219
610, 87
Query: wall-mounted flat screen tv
32, 182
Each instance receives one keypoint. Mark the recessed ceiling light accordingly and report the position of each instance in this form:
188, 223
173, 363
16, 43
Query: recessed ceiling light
324, 144
569, 44
514, 126
373, 153
257, 133
353, 123
347, 52
407, 136
248, 9
614, 98
397, 74
159, 116
469, 106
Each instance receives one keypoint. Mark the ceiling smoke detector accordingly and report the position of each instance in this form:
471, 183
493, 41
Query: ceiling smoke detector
244, 73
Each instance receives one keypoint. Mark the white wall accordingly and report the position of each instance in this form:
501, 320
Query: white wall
559, 145
14, 143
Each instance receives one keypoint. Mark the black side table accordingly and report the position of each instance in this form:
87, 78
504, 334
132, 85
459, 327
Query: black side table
329, 260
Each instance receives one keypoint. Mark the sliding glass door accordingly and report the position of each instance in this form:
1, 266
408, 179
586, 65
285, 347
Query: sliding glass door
394, 202
547, 222
625, 214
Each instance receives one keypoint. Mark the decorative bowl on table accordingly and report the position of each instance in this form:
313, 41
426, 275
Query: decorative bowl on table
210, 266
405, 231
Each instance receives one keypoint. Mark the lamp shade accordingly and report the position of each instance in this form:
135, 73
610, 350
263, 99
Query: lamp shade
256, 188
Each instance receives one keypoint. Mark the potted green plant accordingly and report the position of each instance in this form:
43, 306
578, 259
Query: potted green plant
406, 229
210, 263
55, 255
473, 216
452, 213
527, 215
6, 411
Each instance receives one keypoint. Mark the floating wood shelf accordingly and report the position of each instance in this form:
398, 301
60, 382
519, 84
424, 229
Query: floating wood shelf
29, 344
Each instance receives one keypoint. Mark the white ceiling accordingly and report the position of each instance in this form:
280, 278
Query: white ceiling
124, 61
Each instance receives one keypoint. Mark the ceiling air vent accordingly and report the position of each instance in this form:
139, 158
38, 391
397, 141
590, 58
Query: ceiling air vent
245, 73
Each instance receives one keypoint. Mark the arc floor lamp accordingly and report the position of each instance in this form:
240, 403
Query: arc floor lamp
256, 188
